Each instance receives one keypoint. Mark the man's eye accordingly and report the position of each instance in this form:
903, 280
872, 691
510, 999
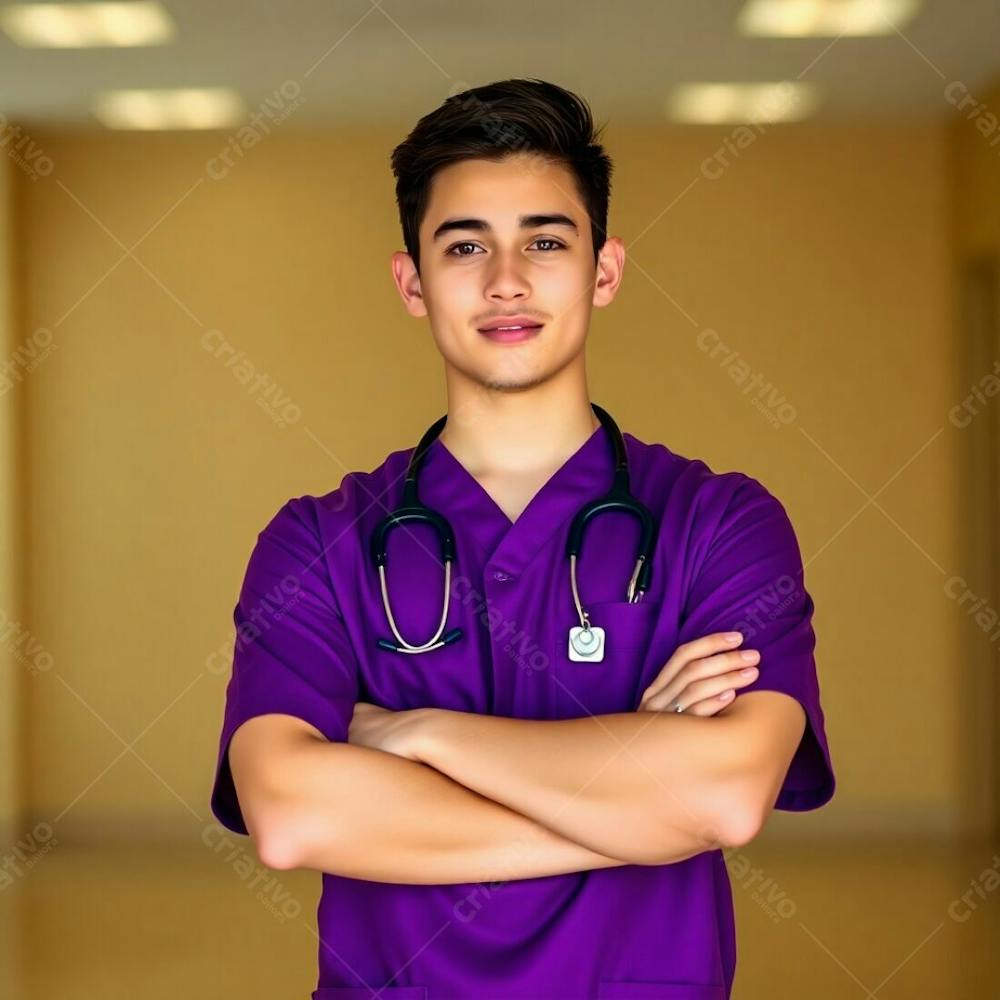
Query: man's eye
556, 245
451, 251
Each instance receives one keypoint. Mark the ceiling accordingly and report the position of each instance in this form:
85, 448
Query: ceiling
352, 61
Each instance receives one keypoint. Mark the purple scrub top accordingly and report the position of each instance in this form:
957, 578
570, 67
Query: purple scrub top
308, 617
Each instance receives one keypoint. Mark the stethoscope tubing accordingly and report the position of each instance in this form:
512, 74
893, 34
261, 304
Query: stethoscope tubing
412, 511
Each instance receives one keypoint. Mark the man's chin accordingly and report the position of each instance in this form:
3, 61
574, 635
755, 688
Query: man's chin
511, 383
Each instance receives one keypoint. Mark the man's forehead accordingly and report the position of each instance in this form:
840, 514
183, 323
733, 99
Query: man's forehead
500, 193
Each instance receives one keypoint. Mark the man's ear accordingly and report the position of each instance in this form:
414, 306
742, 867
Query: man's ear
610, 268
404, 274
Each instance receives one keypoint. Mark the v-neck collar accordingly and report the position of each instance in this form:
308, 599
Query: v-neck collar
447, 486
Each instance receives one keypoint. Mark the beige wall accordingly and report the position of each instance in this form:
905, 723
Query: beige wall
976, 237
821, 254
976, 178
12, 611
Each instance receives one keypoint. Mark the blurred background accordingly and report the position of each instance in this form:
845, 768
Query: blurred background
198, 323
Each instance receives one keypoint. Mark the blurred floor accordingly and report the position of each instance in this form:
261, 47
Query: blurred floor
814, 921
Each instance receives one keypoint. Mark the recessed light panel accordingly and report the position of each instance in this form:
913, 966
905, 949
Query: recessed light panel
86, 25
724, 103
188, 108
827, 18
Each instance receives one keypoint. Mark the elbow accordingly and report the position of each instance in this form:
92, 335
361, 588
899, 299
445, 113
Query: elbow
293, 833
275, 837
276, 854
293, 828
735, 824
659, 839
274, 810
740, 801
744, 818
277, 824
277, 849
741, 830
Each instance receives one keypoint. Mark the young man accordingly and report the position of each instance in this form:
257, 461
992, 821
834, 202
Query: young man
495, 817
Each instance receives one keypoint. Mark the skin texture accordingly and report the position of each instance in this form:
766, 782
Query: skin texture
515, 411
369, 814
615, 783
436, 796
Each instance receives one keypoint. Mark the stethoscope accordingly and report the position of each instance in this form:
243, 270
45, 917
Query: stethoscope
586, 641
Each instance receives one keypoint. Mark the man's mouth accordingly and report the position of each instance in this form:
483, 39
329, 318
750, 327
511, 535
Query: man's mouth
511, 334
510, 328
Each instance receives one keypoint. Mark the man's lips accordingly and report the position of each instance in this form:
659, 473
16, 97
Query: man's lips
509, 323
511, 333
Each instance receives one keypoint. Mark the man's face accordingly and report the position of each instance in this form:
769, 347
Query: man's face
507, 265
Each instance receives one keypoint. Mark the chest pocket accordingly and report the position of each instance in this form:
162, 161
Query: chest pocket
612, 685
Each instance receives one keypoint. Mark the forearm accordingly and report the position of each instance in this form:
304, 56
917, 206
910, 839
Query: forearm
647, 787
368, 814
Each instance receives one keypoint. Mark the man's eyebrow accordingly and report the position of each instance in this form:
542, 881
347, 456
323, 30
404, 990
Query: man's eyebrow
525, 222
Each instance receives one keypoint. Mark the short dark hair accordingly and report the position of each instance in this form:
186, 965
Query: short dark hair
498, 120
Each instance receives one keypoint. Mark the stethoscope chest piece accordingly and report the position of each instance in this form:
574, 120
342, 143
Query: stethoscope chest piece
586, 644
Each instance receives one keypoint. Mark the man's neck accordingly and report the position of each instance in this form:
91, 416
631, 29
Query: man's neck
516, 438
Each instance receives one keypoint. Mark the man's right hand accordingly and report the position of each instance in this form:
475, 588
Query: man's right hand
702, 676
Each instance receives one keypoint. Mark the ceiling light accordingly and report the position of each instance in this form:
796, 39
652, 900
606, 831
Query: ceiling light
82, 25
190, 108
719, 103
801, 18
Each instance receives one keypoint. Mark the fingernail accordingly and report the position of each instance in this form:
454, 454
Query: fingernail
734, 637
748, 671
726, 695
749, 654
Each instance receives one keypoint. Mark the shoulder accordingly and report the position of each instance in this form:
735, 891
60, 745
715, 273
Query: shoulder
693, 480
359, 493
363, 489
707, 505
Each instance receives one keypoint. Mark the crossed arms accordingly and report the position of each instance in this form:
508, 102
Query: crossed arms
438, 796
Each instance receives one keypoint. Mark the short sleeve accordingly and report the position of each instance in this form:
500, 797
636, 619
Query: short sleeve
292, 653
752, 580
